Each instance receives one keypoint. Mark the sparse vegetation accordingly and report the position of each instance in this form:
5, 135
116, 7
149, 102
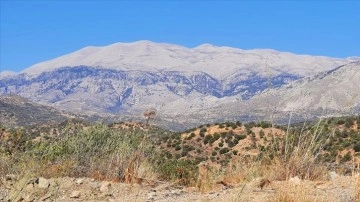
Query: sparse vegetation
130, 153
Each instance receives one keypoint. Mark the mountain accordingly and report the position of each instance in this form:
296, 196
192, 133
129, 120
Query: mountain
219, 62
182, 84
330, 93
18, 111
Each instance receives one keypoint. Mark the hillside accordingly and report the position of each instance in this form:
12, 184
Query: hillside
18, 111
264, 163
330, 93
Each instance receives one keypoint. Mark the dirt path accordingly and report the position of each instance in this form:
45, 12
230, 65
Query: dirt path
340, 189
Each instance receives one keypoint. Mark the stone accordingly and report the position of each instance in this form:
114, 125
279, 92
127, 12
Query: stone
43, 183
295, 180
174, 192
47, 196
333, 175
104, 187
10, 177
151, 196
79, 181
75, 194
190, 189
30, 187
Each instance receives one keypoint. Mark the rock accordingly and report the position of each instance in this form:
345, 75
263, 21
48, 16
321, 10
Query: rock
94, 185
263, 183
333, 175
75, 194
43, 183
295, 180
44, 197
190, 189
79, 181
10, 177
151, 196
174, 192
104, 187
30, 187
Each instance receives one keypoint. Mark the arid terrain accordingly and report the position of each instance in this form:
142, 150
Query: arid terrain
231, 161
336, 188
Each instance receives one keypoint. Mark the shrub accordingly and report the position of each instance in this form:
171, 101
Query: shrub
356, 147
216, 136
231, 144
240, 137
191, 136
346, 157
224, 150
182, 171
264, 124
261, 134
296, 154
214, 153
109, 153
203, 130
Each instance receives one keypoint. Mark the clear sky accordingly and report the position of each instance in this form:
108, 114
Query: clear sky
33, 31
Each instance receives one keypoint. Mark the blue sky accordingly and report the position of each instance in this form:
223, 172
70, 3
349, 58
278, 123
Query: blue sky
35, 31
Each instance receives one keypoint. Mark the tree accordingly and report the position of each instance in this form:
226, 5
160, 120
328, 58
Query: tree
149, 114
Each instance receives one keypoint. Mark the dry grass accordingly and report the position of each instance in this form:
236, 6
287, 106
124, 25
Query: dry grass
97, 152
357, 187
287, 192
297, 154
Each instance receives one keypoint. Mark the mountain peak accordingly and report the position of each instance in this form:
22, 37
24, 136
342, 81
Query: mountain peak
219, 62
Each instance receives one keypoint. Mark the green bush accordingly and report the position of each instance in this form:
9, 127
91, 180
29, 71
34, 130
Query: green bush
216, 136
356, 147
183, 171
221, 144
240, 137
261, 134
264, 124
346, 157
224, 150
191, 136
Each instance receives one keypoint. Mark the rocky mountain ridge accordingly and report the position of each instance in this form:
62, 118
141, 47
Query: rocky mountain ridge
186, 85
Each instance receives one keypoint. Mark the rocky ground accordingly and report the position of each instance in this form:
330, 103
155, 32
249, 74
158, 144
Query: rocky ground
338, 188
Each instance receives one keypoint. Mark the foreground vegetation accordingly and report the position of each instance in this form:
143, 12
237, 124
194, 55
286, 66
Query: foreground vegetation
229, 153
